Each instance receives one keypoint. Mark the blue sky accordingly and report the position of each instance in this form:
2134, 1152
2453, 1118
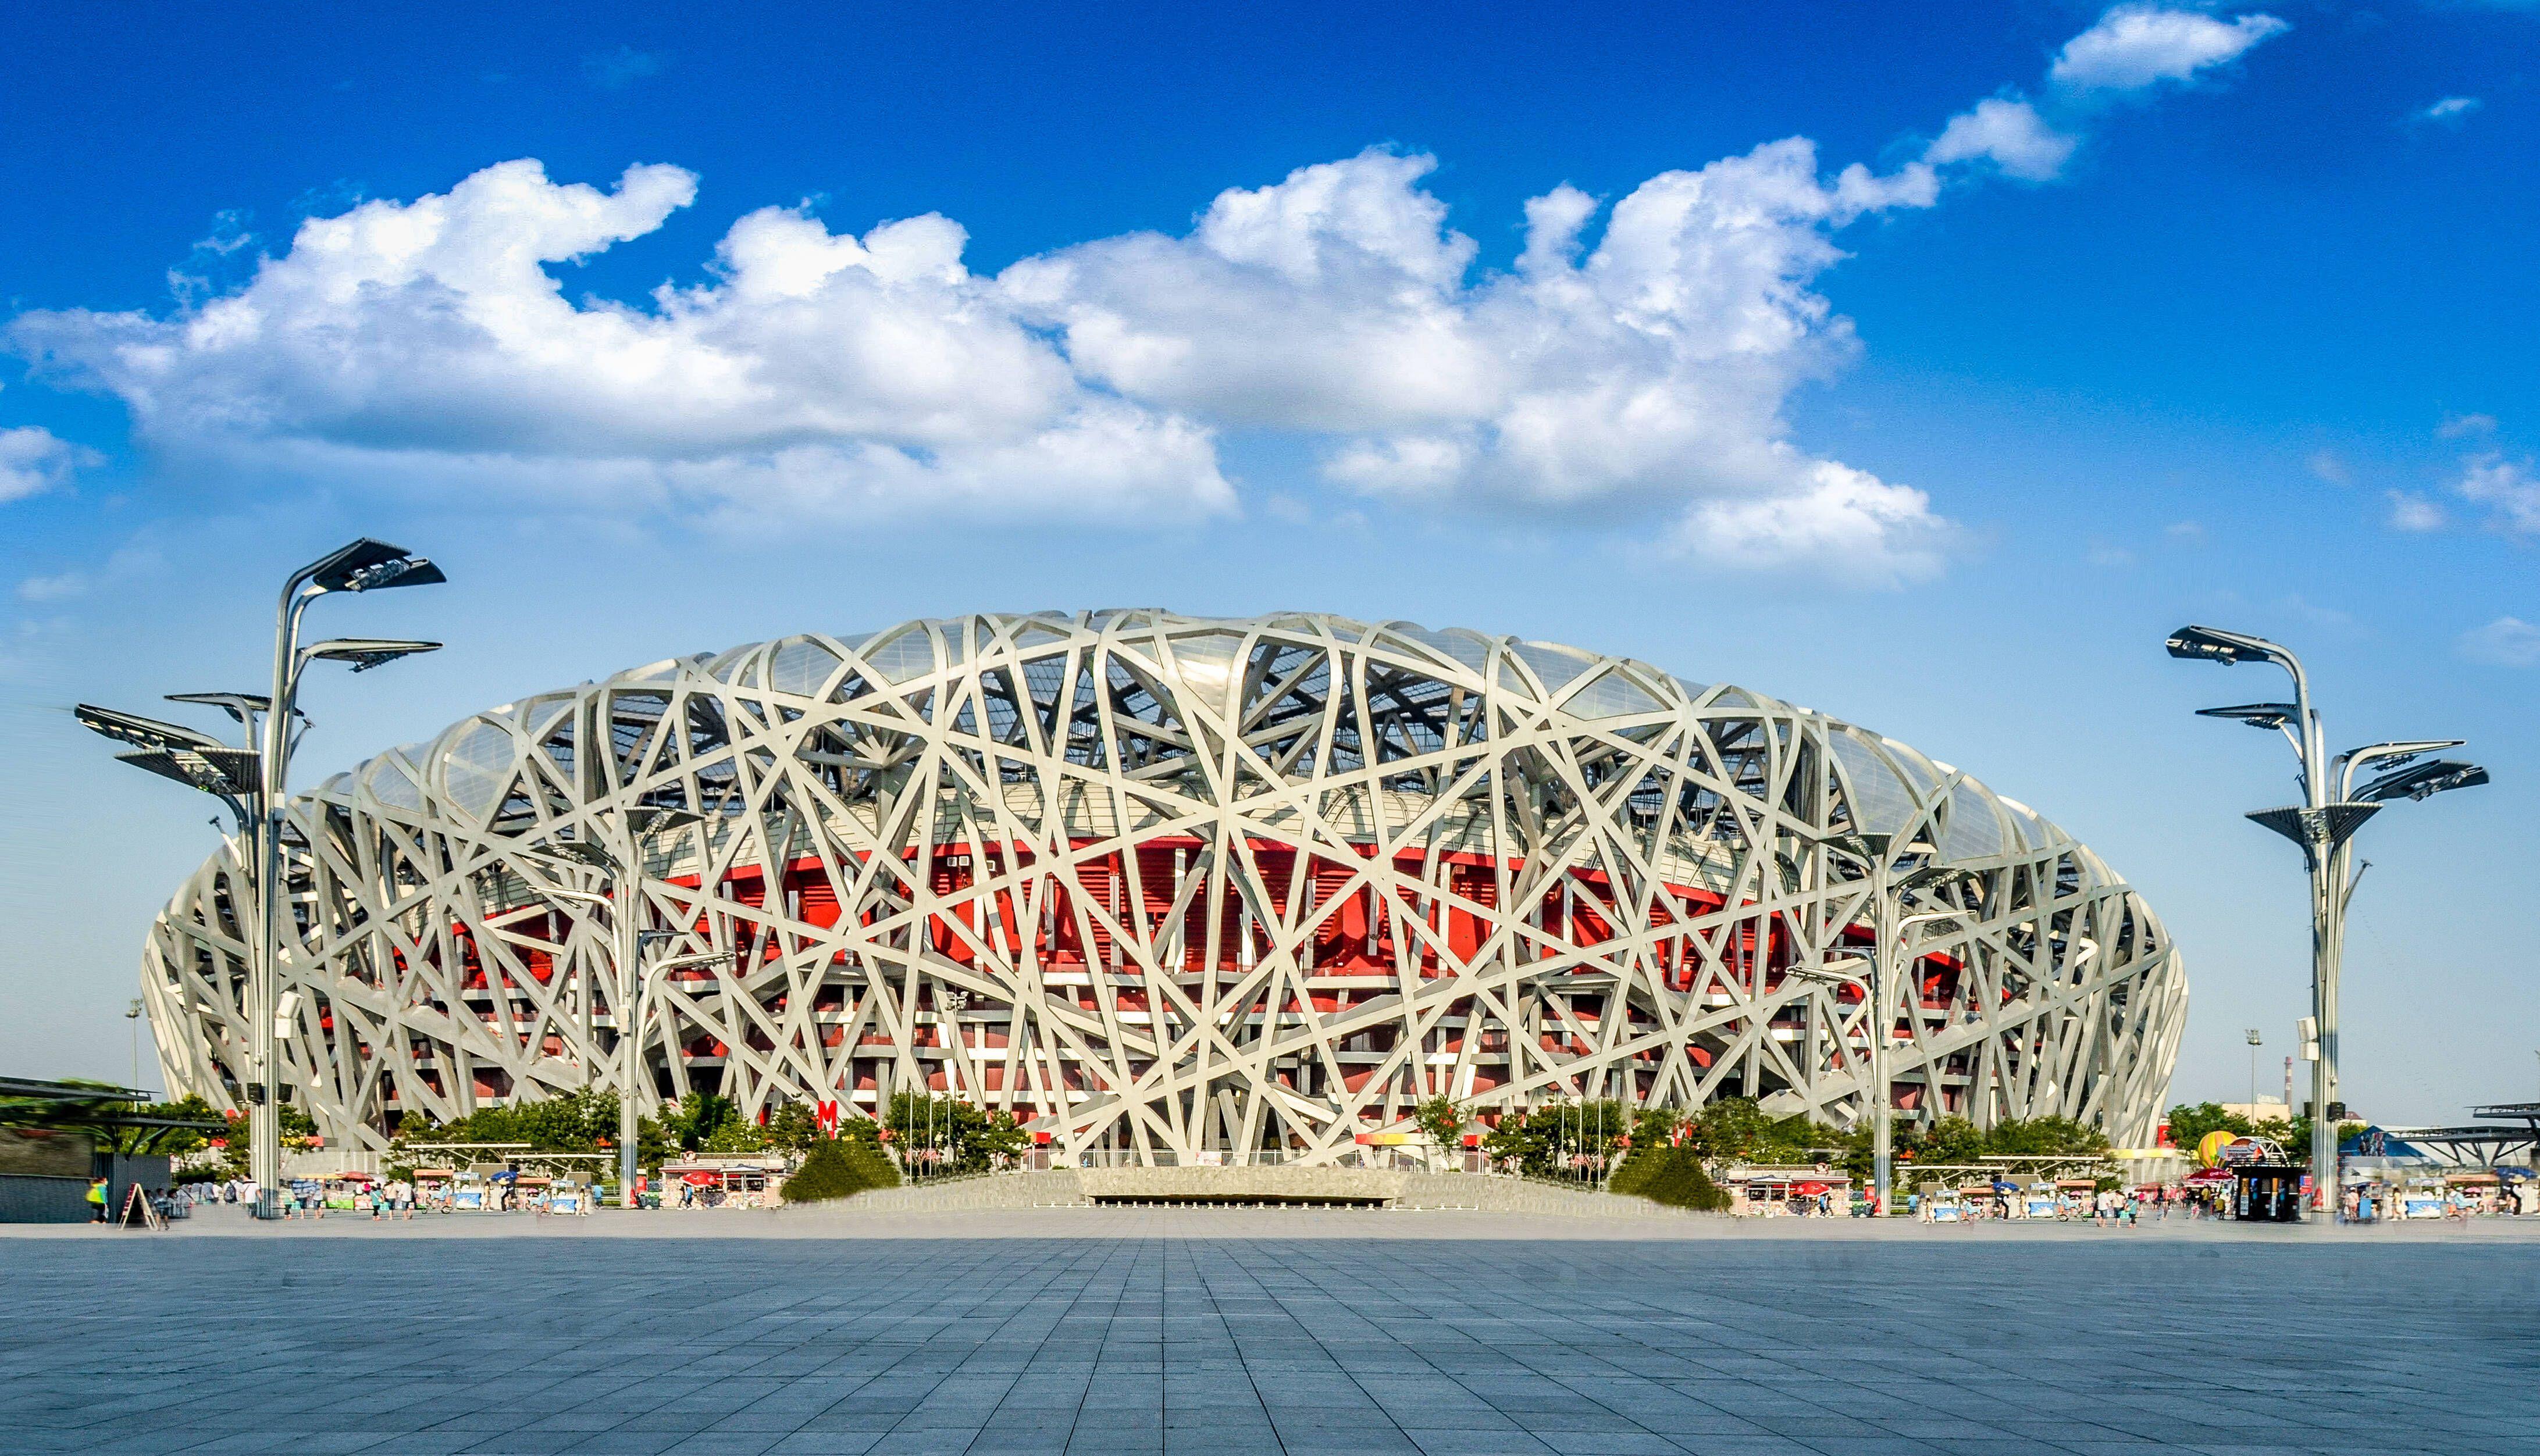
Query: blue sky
1922, 369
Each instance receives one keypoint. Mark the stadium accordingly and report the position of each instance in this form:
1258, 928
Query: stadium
1174, 890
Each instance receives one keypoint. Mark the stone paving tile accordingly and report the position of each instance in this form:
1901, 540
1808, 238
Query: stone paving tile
1211, 1334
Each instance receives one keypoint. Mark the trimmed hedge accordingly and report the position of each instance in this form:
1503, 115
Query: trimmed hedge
1638, 1167
1677, 1179
838, 1169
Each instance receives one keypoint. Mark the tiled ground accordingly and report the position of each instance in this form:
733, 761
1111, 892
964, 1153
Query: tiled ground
1204, 1332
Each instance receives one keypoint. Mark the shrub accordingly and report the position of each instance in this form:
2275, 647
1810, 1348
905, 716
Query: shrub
1680, 1181
1639, 1166
829, 1173
870, 1163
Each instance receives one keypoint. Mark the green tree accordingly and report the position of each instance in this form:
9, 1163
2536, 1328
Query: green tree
1441, 1118
2189, 1125
946, 1135
693, 1123
1561, 1139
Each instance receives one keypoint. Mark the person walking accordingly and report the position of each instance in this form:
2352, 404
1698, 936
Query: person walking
97, 1201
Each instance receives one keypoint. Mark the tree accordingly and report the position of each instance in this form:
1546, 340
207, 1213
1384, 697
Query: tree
946, 1135
1561, 1139
1442, 1119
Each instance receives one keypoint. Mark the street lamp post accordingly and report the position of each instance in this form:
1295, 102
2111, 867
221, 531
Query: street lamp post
2255, 1041
254, 782
622, 870
2323, 826
1886, 938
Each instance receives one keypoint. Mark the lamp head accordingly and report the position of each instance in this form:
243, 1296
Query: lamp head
2398, 754
2423, 781
239, 706
411, 571
2255, 715
366, 652
139, 732
366, 565
231, 773
2213, 645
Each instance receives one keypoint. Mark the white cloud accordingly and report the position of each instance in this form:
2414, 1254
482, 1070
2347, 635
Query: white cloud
34, 460
1857, 525
2507, 642
2328, 466
1634, 362
872, 373
2410, 512
2510, 491
2451, 111
2007, 132
2137, 46
2455, 427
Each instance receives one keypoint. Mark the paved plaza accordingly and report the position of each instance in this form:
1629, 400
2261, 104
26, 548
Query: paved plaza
1232, 1332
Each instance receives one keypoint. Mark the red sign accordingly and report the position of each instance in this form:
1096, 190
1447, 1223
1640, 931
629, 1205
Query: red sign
1040, 1139
828, 1119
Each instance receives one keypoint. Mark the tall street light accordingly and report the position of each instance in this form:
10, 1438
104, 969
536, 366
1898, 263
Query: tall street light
2324, 825
621, 870
1878, 854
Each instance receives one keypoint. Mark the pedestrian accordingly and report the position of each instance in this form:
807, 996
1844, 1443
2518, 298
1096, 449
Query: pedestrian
97, 1201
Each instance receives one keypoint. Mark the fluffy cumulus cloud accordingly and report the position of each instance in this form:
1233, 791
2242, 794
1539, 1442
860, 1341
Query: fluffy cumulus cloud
428, 338
2008, 133
34, 460
1633, 362
2134, 48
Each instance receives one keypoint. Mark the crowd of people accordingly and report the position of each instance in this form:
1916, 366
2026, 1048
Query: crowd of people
380, 1200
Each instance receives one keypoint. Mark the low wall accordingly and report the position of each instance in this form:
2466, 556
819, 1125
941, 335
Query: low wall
1503, 1195
35, 1198
989, 1191
1270, 1183
1066, 1188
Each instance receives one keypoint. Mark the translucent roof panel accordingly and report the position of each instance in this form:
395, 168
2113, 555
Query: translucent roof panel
391, 784
801, 666
479, 768
1974, 831
1468, 648
1612, 695
1881, 803
906, 653
1554, 665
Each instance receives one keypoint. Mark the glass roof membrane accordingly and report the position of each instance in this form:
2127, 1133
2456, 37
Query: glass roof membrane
1880, 801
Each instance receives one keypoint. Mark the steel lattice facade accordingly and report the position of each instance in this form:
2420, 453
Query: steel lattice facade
1179, 888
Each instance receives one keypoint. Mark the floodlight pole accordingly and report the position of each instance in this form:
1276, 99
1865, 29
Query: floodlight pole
1883, 1132
2324, 827
361, 565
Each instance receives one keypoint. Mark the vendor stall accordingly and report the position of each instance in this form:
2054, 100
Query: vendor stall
711, 1182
